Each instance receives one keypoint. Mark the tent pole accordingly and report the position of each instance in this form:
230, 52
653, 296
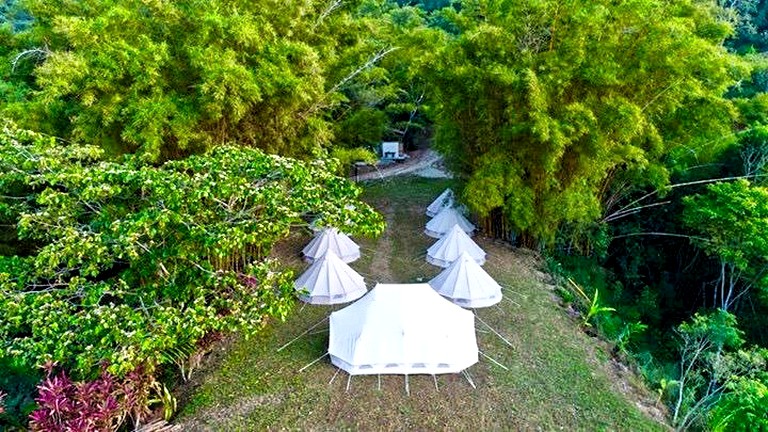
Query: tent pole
407, 389
313, 362
466, 375
301, 335
334, 376
349, 380
434, 377
494, 331
379, 377
494, 361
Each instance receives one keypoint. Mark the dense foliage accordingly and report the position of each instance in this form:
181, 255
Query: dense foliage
592, 127
135, 261
561, 102
166, 79
103, 404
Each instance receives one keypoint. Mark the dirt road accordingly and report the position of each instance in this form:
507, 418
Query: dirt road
426, 162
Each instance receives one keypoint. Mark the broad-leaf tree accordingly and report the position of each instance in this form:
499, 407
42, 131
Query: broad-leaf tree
733, 221
543, 105
135, 261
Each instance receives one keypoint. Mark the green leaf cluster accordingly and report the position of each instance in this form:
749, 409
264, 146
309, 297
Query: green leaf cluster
542, 105
733, 217
135, 260
168, 79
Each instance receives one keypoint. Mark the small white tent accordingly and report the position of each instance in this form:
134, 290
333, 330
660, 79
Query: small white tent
444, 200
330, 281
445, 220
331, 239
449, 248
402, 329
466, 284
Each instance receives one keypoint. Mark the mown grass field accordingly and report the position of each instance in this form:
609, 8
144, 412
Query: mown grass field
558, 377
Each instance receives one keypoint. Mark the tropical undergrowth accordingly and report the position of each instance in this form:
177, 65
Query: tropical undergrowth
136, 266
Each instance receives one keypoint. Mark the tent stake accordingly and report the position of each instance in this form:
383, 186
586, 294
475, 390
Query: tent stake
434, 377
349, 380
494, 331
313, 362
334, 376
466, 375
301, 335
494, 361
407, 389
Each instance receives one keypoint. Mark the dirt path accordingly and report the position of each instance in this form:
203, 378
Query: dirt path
426, 160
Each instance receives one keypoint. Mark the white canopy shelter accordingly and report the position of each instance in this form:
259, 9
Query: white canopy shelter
330, 239
445, 220
449, 248
402, 329
466, 284
330, 281
443, 200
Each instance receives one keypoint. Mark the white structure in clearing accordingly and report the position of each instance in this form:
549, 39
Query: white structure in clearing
443, 200
449, 248
330, 239
330, 281
402, 329
445, 220
466, 284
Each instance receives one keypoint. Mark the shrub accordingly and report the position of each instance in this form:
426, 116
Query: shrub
103, 404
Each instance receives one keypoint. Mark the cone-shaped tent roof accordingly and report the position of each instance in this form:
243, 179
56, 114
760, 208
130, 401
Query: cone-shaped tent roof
447, 218
330, 281
445, 199
402, 329
466, 284
449, 248
331, 239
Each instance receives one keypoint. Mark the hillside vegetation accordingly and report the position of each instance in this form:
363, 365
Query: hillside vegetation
160, 161
558, 377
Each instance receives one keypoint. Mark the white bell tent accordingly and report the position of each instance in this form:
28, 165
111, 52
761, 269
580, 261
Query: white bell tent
445, 220
444, 200
466, 284
331, 239
330, 281
402, 329
449, 248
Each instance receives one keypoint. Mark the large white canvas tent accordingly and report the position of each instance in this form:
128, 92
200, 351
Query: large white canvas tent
443, 200
330, 281
445, 220
402, 329
449, 248
466, 284
331, 239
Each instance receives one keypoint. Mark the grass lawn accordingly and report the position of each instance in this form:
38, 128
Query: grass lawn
558, 377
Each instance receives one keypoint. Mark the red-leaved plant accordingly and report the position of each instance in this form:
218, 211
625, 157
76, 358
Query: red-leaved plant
2, 401
93, 406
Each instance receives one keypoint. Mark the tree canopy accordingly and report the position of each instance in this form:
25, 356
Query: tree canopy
167, 79
557, 101
133, 261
